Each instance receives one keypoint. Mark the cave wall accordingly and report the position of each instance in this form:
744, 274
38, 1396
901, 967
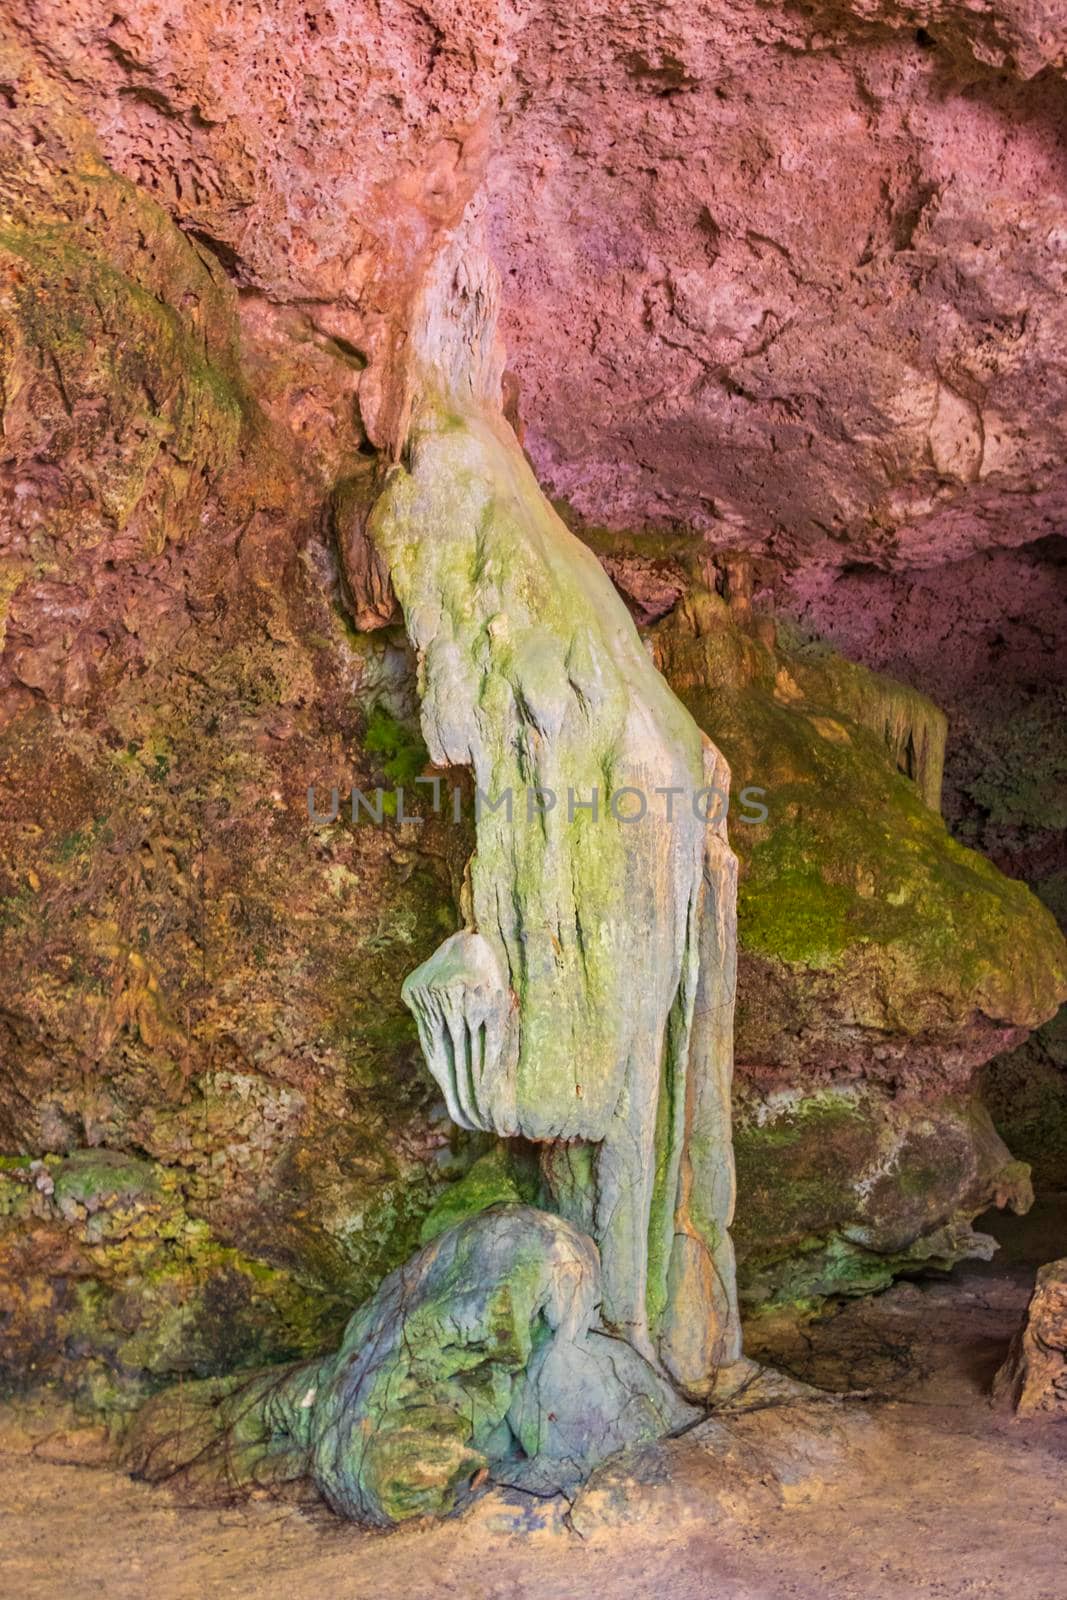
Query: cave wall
809, 260
984, 637
214, 225
193, 976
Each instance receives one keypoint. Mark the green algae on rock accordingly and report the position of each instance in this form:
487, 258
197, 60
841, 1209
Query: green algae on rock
190, 973
479, 1355
870, 940
109, 1287
589, 998
505, 1175
843, 1189
880, 962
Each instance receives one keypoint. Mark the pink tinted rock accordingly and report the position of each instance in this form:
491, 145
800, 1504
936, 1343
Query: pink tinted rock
791, 277
809, 268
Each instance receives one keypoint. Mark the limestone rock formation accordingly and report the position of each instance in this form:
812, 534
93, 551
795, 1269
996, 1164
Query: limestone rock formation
195, 979
873, 941
589, 1004
880, 964
982, 637
110, 1284
1033, 1379
808, 260
846, 1187
479, 1355
719, 206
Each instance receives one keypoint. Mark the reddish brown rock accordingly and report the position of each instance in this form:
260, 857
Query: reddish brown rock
792, 276
1033, 1379
315, 150
776, 281
808, 262
183, 953
650, 588
368, 588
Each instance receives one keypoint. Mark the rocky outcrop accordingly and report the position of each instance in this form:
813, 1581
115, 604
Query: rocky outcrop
720, 209
477, 1356
110, 1284
845, 1188
872, 942
193, 973
982, 637
880, 964
808, 262
1033, 1379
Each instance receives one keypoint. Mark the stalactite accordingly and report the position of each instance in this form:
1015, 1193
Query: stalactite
590, 997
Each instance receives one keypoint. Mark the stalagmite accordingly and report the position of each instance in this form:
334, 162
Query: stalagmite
588, 1004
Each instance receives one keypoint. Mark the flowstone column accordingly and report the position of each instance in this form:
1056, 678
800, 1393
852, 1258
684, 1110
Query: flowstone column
588, 1003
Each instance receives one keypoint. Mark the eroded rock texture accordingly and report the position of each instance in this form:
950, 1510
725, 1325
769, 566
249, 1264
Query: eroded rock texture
184, 954
809, 261
477, 1355
777, 282
982, 636
721, 205
1033, 1379
881, 963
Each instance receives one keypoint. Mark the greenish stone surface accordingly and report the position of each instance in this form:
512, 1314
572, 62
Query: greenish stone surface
110, 1287
478, 1356
588, 998
841, 1190
880, 963
503, 1176
870, 940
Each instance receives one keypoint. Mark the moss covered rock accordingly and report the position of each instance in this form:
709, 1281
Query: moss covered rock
505, 1175
843, 1189
194, 976
110, 1288
477, 1357
880, 963
871, 942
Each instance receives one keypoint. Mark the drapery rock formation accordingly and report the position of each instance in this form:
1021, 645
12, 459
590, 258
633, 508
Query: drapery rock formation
589, 1004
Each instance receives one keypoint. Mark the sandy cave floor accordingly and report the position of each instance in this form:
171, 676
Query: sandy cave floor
942, 1496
